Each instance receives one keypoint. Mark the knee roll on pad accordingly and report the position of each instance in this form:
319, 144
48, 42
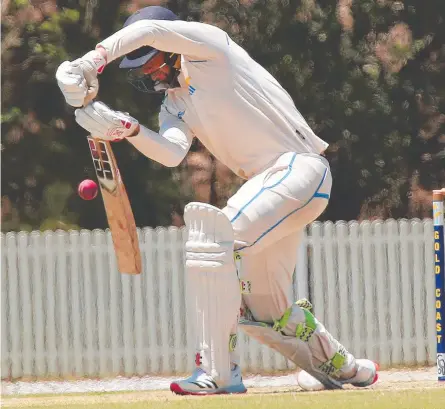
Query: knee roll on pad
212, 287
210, 238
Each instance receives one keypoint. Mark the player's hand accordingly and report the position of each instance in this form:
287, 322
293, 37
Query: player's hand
78, 79
104, 123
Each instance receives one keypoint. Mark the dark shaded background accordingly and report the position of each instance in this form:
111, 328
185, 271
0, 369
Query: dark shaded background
368, 76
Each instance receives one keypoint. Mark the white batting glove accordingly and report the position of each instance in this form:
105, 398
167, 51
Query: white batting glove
78, 79
104, 123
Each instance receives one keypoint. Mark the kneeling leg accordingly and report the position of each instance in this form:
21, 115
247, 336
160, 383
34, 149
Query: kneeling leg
291, 328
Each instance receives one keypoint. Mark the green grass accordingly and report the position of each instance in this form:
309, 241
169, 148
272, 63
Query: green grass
370, 399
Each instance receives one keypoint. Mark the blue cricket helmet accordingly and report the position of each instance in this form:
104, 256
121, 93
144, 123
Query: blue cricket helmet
139, 57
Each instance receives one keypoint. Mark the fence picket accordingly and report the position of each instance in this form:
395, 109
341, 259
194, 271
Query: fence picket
139, 319
356, 291
343, 285
381, 274
405, 284
75, 315
5, 315
25, 302
418, 296
51, 347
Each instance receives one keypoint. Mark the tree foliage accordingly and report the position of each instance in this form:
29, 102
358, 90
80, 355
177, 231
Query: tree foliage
367, 75
44, 153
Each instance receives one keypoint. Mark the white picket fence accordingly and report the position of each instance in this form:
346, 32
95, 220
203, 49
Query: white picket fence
66, 311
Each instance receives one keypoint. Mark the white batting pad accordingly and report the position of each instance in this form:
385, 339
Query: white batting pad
292, 348
212, 286
300, 337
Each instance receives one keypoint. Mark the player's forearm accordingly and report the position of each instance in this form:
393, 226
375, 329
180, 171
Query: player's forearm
169, 149
180, 37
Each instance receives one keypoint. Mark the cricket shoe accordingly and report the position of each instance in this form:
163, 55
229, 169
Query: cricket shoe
202, 384
366, 375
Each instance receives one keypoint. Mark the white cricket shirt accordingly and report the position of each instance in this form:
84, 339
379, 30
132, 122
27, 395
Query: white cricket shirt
228, 101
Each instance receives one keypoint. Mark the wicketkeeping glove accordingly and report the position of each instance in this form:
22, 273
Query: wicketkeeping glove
104, 123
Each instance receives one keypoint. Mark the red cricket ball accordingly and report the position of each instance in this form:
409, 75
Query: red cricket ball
87, 189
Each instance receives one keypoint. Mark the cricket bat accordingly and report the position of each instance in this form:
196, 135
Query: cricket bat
117, 207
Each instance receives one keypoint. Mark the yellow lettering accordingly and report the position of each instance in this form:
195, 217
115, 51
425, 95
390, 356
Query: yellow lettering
436, 258
439, 338
438, 327
436, 246
437, 269
438, 304
436, 235
438, 316
438, 292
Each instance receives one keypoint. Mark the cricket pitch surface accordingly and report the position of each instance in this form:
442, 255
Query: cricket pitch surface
401, 389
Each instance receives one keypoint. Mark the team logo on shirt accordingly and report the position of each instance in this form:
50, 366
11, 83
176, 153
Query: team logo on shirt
190, 88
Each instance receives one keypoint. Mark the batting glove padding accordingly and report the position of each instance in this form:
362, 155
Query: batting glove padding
78, 79
104, 123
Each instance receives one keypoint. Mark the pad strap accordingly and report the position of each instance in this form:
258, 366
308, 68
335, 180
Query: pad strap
334, 365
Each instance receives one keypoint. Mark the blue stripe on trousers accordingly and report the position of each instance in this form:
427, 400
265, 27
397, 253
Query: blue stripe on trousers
263, 189
315, 195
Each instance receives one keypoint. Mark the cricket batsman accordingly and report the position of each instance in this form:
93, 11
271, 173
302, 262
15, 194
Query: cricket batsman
240, 259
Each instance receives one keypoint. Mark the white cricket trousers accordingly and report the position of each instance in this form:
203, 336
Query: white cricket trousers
268, 214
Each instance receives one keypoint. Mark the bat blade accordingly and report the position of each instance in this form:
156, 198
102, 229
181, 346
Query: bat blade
117, 207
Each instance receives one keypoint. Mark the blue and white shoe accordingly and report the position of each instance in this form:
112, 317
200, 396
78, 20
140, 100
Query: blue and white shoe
202, 384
